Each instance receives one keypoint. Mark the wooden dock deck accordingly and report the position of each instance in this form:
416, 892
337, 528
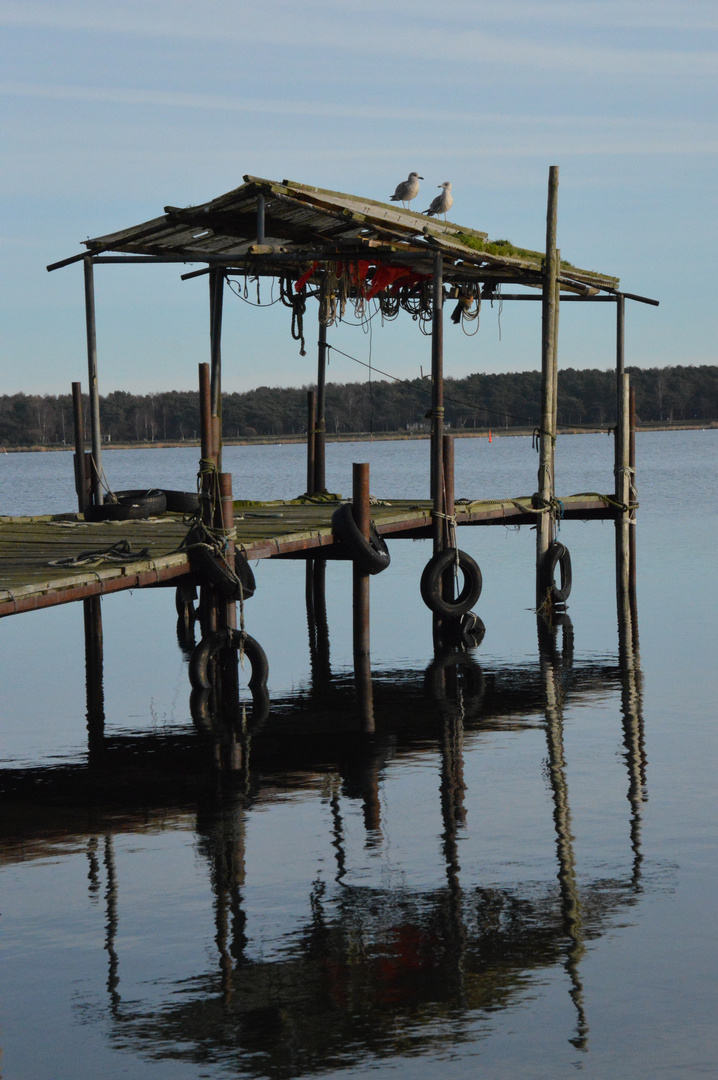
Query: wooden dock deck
41, 564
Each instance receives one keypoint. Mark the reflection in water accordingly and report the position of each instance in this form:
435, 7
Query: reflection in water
366, 970
553, 672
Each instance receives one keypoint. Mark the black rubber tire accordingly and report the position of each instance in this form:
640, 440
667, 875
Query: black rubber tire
372, 555
228, 639
182, 502
557, 554
468, 631
237, 585
130, 506
432, 584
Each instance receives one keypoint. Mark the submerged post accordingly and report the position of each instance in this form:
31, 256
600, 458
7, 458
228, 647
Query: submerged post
437, 404
360, 596
547, 431
96, 435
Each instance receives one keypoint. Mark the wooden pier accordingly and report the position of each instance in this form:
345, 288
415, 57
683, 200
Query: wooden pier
49, 560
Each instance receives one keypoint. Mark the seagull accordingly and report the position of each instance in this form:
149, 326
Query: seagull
442, 203
407, 190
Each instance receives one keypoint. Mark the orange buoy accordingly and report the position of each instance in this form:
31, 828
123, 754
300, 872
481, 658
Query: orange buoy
490, 438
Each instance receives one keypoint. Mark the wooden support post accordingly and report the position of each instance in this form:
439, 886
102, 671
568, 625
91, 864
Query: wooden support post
208, 600
320, 480
632, 515
96, 435
547, 433
437, 404
78, 422
360, 596
92, 613
623, 489
216, 294
448, 468
311, 439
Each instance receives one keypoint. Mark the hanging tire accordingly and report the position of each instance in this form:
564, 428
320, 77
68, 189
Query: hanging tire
232, 582
228, 639
372, 555
129, 506
557, 554
432, 583
182, 502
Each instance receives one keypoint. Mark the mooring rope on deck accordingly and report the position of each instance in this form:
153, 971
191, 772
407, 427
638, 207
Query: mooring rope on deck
121, 552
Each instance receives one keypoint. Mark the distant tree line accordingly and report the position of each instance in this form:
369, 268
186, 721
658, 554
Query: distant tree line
586, 398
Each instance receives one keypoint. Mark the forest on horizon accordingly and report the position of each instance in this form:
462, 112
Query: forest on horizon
479, 401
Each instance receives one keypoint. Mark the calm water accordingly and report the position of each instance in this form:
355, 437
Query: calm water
518, 880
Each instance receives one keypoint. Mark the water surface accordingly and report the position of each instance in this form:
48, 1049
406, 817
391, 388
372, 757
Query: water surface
515, 879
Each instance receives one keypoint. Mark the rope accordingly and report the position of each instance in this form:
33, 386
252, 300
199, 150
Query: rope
121, 552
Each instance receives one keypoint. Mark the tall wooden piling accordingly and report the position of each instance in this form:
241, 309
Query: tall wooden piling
78, 423
94, 686
437, 404
320, 430
96, 434
623, 490
547, 432
216, 295
360, 599
632, 514
311, 439
225, 490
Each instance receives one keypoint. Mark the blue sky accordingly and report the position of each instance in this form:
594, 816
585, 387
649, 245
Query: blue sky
110, 111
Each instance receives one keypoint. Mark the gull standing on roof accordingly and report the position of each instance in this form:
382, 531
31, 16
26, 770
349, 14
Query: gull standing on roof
442, 203
407, 190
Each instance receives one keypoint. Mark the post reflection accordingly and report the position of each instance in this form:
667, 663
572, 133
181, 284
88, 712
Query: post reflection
366, 967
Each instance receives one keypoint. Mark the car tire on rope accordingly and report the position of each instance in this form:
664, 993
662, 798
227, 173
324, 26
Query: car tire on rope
372, 555
432, 583
557, 554
129, 506
220, 640
232, 582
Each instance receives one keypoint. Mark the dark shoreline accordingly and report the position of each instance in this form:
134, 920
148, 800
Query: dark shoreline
382, 436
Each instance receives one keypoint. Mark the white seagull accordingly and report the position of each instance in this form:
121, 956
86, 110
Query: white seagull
442, 203
407, 190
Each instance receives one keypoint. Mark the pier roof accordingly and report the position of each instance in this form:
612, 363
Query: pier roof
270, 229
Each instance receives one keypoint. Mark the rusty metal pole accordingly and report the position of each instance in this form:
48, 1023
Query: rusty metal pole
96, 434
79, 458
360, 596
320, 481
437, 404
311, 439
547, 433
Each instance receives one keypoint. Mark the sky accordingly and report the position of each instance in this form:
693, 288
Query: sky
110, 111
